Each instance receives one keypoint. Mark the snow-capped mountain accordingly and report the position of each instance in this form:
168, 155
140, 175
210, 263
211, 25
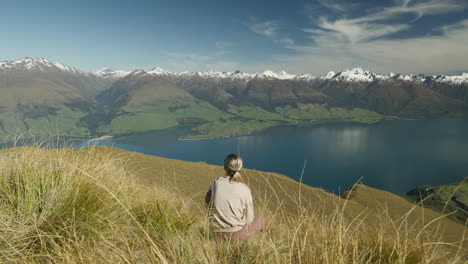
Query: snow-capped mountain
356, 75
159, 71
349, 75
36, 65
37, 87
107, 73
457, 79
281, 75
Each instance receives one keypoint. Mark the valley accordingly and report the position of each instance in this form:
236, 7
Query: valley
41, 98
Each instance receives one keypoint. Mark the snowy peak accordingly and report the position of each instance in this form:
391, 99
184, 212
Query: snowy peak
107, 73
356, 75
456, 79
281, 75
35, 65
453, 79
137, 72
158, 71
328, 76
305, 77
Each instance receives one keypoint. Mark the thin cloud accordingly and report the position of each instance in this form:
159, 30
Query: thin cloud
270, 29
266, 28
349, 31
199, 62
223, 44
222, 48
333, 5
366, 28
421, 8
285, 40
445, 52
189, 56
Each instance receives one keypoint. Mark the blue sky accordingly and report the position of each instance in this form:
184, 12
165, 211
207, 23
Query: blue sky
404, 36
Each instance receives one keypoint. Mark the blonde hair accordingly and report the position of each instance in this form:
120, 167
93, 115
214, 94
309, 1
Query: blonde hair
232, 165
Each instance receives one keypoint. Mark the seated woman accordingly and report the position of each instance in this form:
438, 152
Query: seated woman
230, 202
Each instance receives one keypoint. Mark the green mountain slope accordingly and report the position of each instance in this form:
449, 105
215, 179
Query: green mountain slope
451, 199
41, 98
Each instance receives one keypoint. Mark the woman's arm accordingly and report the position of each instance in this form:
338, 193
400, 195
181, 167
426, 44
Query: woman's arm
249, 208
208, 198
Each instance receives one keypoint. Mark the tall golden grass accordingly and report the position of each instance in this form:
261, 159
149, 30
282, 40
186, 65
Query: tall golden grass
81, 206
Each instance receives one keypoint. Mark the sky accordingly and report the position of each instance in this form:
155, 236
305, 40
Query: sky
298, 36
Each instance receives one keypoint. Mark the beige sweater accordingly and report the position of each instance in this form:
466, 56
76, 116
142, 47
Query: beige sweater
231, 205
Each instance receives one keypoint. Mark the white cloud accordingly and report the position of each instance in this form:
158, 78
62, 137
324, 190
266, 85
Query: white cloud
199, 62
364, 41
270, 29
189, 56
333, 5
285, 40
420, 8
365, 28
223, 44
446, 52
266, 28
222, 48
349, 30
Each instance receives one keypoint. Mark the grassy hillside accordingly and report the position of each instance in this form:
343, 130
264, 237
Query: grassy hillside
228, 128
161, 116
450, 199
141, 102
105, 205
323, 112
42, 121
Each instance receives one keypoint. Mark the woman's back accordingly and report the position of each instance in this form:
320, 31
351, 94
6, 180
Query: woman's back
231, 205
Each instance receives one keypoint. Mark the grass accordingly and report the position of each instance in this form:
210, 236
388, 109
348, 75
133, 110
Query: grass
90, 205
452, 198
65, 120
257, 113
230, 128
211, 121
160, 116
323, 112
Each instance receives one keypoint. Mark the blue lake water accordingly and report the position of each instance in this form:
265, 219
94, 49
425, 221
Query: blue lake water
393, 155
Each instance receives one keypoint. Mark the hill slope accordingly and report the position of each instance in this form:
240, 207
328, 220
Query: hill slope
448, 199
101, 204
45, 98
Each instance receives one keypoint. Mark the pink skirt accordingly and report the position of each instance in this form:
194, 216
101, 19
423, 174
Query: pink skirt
257, 225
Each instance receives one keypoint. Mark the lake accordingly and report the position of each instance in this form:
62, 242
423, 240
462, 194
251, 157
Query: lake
393, 155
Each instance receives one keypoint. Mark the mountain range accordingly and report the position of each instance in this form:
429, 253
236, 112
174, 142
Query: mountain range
47, 98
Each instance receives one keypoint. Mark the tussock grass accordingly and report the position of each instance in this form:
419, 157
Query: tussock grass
83, 206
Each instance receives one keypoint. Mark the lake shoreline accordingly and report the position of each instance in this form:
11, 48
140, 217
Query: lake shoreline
337, 152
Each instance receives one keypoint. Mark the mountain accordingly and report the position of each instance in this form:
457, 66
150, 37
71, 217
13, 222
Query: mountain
139, 87
143, 101
45, 97
36, 94
40, 81
399, 95
109, 74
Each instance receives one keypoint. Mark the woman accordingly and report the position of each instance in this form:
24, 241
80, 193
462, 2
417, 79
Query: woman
231, 206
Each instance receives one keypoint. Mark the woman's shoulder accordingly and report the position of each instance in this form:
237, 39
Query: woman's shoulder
221, 179
242, 185
226, 179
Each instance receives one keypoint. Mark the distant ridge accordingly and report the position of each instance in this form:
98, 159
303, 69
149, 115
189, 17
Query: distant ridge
39, 95
355, 74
